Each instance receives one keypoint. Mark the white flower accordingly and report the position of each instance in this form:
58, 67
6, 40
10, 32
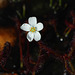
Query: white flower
33, 29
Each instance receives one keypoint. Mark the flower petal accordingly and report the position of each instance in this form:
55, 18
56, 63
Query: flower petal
39, 26
30, 36
25, 27
37, 36
32, 21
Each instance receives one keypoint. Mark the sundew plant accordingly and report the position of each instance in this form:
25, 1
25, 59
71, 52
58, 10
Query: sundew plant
37, 37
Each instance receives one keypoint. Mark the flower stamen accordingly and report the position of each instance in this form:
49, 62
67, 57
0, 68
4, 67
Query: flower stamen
33, 29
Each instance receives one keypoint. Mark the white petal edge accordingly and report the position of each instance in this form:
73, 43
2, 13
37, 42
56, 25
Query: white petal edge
25, 27
30, 36
39, 26
32, 21
37, 36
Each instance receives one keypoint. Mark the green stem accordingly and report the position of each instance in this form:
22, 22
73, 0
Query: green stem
67, 33
59, 2
23, 10
65, 5
19, 14
54, 5
50, 3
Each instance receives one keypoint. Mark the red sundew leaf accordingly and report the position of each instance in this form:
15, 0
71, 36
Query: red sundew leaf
73, 41
72, 26
72, 13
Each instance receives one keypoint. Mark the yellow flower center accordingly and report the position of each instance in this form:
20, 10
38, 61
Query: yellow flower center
33, 29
